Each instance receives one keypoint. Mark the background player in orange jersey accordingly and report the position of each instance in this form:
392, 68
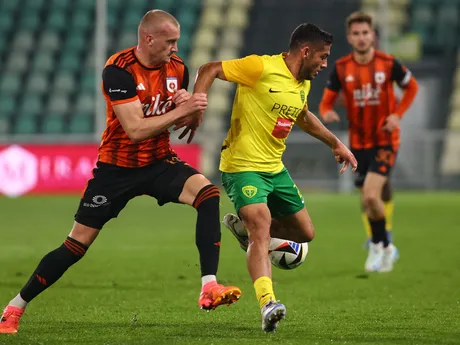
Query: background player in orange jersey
145, 92
366, 77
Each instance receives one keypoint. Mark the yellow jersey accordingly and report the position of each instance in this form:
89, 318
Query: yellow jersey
267, 103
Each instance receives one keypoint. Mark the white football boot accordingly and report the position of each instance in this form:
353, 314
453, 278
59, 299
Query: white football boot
374, 258
272, 313
389, 257
233, 223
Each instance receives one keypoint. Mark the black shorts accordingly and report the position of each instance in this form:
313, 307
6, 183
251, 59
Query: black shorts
111, 187
379, 159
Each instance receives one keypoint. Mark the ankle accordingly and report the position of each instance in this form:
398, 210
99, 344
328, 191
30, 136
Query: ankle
208, 285
18, 302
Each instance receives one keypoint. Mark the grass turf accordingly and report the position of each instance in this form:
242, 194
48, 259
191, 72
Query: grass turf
139, 282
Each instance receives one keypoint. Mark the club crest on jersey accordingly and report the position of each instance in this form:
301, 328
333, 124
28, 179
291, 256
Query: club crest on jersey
249, 191
379, 77
171, 84
302, 96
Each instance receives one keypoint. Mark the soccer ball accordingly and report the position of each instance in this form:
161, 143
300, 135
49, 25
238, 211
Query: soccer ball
286, 254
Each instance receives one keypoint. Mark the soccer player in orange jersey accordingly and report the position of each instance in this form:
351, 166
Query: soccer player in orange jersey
366, 77
145, 93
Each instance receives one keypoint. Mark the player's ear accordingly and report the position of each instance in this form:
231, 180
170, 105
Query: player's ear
149, 39
306, 52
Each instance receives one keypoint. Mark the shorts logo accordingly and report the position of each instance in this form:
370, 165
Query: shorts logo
99, 199
249, 191
300, 194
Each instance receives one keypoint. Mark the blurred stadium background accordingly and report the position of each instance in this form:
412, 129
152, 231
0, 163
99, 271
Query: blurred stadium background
52, 53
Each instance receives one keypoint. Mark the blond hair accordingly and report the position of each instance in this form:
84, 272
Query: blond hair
153, 18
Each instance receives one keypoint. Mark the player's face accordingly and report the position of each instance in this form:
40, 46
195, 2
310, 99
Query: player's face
163, 43
314, 61
361, 37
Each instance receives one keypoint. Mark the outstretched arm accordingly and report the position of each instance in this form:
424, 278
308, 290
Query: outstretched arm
246, 71
206, 76
310, 124
119, 87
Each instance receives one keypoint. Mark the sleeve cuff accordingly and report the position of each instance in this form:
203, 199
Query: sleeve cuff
123, 101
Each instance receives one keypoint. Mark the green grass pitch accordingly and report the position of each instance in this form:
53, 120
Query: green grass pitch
139, 282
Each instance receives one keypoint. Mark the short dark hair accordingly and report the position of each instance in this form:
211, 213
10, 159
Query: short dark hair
359, 17
308, 32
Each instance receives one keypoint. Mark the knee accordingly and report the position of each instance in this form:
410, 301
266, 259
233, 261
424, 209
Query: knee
83, 234
370, 200
386, 192
207, 196
306, 235
309, 235
258, 226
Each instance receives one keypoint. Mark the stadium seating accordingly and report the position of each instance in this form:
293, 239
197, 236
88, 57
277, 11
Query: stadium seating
396, 16
437, 22
219, 36
48, 83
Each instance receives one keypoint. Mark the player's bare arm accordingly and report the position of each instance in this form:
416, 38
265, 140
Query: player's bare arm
205, 77
139, 128
310, 124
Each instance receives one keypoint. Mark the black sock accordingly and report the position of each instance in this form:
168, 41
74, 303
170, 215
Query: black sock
52, 267
208, 228
379, 233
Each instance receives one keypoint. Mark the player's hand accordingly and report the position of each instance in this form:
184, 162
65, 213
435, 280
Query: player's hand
391, 123
191, 124
331, 116
198, 102
343, 155
180, 97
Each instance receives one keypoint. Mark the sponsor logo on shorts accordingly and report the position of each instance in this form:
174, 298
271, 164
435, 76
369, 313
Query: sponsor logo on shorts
249, 191
97, 201
300, 194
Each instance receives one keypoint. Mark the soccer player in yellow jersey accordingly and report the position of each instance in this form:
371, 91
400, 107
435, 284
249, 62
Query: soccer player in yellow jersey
271, 97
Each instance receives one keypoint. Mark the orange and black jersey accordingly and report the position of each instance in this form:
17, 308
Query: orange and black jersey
369, 97
125, 79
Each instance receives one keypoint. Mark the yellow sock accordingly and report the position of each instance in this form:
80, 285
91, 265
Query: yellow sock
367, 226
389, 206
264, 290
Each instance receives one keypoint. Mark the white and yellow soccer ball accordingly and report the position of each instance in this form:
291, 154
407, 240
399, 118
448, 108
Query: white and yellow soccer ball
286, 254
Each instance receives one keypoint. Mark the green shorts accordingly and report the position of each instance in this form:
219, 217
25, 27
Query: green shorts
278, 191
